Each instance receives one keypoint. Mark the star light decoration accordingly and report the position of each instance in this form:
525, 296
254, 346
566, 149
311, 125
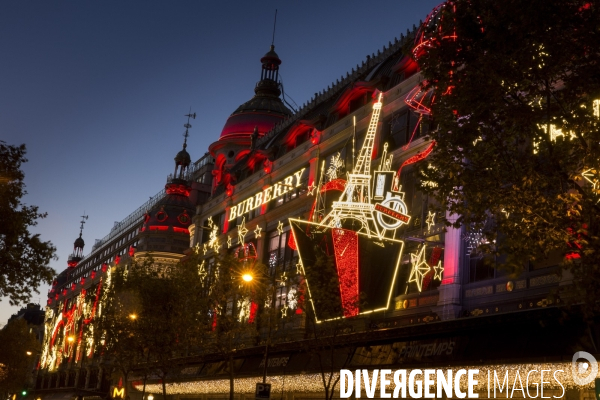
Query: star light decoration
311, 189
242, 230
284, 310
280, 228
257, 231
202, 272
430, 220
197, 248
419, 268
228, 241
205, 248
439, 271
299, 268
283, 279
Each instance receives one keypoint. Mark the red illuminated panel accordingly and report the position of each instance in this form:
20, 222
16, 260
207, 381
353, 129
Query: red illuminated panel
345, 243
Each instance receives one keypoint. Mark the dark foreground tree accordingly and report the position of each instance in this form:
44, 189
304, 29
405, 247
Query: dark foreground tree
18, 349
24, 258
516, 104
233, 305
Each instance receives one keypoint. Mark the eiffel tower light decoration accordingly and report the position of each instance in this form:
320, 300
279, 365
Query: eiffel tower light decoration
358, 234
356, 201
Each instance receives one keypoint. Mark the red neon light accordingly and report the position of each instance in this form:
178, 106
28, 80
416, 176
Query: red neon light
72, 263
174, 188
392, 213
345, 245
422, 155
180, 230
336, 184
158, 227
291, 241
415, 100
214, 320
104, 267
253, 311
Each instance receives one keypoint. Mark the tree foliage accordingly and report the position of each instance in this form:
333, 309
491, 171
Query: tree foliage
24, 258
507, 76
233, 306
16, 365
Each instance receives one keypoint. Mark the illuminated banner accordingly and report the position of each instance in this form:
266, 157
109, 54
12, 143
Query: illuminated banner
270, 193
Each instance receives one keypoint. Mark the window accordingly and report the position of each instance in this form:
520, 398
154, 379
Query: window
281, 262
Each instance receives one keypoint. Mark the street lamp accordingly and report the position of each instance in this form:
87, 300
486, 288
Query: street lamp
132, 317
28, 353
247, 277
150, 397
70, 339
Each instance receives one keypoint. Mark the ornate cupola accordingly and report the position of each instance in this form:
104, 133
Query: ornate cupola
78, 245
261, 113
177, 183
165, 230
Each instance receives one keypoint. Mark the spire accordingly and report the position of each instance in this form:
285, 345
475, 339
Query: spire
78, 246
269, 76
183, 159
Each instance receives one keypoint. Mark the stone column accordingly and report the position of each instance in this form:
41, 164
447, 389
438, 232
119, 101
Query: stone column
449, 303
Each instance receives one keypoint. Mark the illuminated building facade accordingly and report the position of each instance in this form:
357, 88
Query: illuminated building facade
335, 177
67, 365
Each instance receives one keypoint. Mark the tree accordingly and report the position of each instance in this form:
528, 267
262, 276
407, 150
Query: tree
170, 314
116, 326
516, 104
24, 258
233, 304
17, 353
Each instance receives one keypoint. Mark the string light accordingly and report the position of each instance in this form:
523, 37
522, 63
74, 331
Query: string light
228, 241
313, 383
280, 228
335, 165
257, 231
345, 245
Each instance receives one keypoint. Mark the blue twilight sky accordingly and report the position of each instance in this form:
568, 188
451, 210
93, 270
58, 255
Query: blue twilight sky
97, 90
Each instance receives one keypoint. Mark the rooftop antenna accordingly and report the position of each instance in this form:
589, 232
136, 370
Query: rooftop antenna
274, 25
188, 126
83, 219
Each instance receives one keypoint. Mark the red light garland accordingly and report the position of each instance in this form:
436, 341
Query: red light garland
345, 244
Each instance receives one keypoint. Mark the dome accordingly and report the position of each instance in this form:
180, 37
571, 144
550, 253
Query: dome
261, 111
265, 109
271, 57
183, 158
79, 242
